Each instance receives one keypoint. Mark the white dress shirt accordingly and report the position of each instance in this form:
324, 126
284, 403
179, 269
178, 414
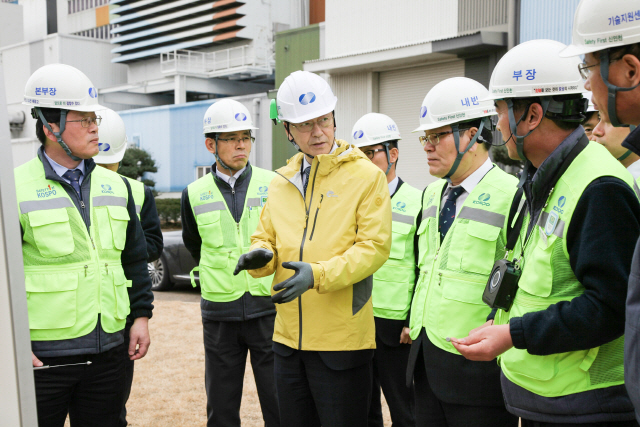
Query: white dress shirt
393, 185
61, 170
634, 169
231, 180
468, 184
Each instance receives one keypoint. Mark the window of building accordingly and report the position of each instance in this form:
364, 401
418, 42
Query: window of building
202, 171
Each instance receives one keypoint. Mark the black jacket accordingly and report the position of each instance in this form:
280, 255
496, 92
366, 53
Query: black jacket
601, 237
134, 264
151, 226
632, 326
247, 306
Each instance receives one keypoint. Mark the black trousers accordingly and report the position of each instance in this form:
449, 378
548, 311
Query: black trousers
631, 423
312, 394
128, 375
389, 371
433, 412
226, 345
90, 394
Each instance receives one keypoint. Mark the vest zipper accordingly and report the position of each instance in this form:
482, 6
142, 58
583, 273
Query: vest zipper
315, 219
85, 270
106, 266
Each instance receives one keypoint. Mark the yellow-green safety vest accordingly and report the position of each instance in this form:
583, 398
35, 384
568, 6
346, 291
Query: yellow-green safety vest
137, 190
71, 274
224, 240
547, 278
393, 282
453, 275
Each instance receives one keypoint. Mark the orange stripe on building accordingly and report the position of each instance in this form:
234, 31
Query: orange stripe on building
102, 15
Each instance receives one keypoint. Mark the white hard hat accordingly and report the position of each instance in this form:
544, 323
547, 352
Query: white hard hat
454, 100
227, 115
602, 24
304, 96
534, 68
592, 107
61, 86
374, 128
113, 138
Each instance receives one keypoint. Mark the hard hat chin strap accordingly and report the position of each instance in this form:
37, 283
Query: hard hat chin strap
605, 61
513, 125
456, 138
219, 160
58, 135
386, 151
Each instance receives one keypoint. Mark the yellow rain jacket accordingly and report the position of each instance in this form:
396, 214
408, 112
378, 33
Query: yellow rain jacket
343, 230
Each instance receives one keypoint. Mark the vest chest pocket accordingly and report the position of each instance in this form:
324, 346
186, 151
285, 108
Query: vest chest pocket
537, 273
51, 300
215, 277
399, 234
480, 247
112, 226
210, 228
52, 232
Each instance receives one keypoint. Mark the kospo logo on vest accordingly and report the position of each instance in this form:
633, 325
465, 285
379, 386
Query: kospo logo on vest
400, 206
207, 195
561, 202
483, 199
106, 188
49, 190
263, 190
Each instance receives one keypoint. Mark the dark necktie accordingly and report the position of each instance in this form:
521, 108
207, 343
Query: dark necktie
305, 178
448, 211
74, 176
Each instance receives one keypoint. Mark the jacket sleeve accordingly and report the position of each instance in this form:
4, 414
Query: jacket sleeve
600, 241
151, 226
371, 246
190, 234
265, 237
134, 264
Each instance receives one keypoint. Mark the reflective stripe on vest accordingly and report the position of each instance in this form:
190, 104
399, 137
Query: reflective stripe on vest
72, 274
547, 278
137, 190
448, 295
224, 240
393, 282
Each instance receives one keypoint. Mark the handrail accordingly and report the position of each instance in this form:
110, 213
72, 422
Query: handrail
196, 62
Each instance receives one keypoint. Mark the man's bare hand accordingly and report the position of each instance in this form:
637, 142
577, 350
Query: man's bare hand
404, 336
139, 339
35, 361
486, 344
484, 325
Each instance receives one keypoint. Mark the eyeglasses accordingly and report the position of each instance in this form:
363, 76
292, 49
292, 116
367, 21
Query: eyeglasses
236, 141
434, 138
306, 127
88, 121
585, 71
371, 153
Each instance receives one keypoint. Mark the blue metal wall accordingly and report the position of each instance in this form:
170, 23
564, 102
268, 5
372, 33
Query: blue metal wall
172, 134
547, 19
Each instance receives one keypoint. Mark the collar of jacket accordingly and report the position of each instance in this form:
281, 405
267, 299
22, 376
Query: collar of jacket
241, 178
540, 181
50, 174
632, 141
345, 152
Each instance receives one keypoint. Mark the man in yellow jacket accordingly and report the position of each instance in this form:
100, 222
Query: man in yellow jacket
325, 229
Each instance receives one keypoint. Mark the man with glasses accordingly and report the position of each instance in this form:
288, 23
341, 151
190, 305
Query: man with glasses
560, 339
463, 231
325, 230
219, 212
377, 135
84, 258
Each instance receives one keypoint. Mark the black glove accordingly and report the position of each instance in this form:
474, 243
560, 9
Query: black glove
296, 285
256, 258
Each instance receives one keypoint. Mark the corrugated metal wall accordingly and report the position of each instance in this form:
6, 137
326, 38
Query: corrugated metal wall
351, 90
474, 14
401, 94
362, 25
547, 19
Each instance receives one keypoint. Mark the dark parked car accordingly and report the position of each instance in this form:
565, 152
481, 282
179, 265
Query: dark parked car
174, 265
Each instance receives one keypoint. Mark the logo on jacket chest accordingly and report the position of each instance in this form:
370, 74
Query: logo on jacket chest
400, 206
49, 190
206, 195
483, 200
106, 189
560, 204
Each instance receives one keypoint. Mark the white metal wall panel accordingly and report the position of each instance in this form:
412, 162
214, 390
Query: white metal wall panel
351, 90
401, 94
356, 26
474, 14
